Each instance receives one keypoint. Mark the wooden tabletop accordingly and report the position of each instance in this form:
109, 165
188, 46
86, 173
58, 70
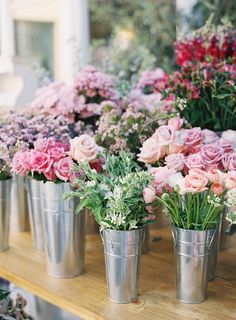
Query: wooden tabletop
86, 295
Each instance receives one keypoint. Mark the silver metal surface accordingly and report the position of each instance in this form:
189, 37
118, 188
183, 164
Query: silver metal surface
145, 246
122, 251
5, 198
192, 248
35, 212
19, 205
64, 232
213, 256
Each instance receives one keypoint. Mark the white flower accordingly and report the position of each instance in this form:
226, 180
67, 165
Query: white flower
231, 198
133, 225
176, 181
214, 200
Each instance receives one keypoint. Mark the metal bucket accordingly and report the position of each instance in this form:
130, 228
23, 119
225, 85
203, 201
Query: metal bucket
64, 232
213, 256
19, 205
192, 249
145, 246
122, 251
35, 212
5, 198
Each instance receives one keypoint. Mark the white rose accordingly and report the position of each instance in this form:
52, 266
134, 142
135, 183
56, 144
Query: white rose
83, 148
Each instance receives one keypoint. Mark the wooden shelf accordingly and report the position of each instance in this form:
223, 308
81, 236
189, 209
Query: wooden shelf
86, 295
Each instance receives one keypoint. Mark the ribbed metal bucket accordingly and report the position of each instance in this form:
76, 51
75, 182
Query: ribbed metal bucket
35, 212
19, 205
192, 249
64, 232
213, 256
122, 251
5, 198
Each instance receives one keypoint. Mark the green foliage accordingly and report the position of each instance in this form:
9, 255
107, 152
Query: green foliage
115, 196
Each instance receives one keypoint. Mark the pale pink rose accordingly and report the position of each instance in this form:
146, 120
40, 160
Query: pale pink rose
43, 144
161, 175
193, 139
149, 194
151, 151
164, 135
83, 148
21, 163
50, 175
230, 136
211, 155
176, 123
40, 162
175, 161
216, 176
226, 145
176, 180
56, 153
63, 168
209, 136
230, 181
194, 161
229, 161
195, 181
217, 188
177, 146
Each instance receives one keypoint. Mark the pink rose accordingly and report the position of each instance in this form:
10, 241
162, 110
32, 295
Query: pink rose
21, 163
164, 135
195, 181
40, 162
161, 175
50, 175
43, 144
212, 154
175, 123
217, 188
230, 136
194, 161
83, 148
56, 153
175, 161
230, 181
63, 168
149, 194
177, 146
209, 136
151, 151
216, 176
229, 161
226, 145
193, 139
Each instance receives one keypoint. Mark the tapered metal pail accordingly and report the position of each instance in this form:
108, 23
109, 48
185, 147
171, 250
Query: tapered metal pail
19, 205
35, 212
5, 200
192, 249
64, 232
122, 251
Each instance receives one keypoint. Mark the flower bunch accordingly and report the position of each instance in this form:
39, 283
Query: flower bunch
52, 160
115, 195
126, 130
153, 81
93, 87
195, 169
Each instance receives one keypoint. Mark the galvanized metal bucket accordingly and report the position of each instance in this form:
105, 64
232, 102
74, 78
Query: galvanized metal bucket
122, 250
192, 249
213, 256
64, 232
5, 200
19, 205
35, 212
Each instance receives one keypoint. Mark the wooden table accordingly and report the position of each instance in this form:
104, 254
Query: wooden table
86, 295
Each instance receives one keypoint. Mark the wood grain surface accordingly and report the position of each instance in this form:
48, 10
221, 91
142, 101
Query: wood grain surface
86, 295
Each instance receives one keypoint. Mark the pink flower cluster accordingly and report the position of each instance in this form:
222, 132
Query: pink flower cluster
192, 159
153, 81
53, 160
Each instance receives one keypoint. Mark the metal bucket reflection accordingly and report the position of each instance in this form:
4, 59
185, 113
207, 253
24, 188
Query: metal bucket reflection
35, 212
122, 251
213, 256
64, 232
5, 198
19, 205
192, 249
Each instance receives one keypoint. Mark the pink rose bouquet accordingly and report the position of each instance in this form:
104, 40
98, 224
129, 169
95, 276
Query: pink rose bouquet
194, 178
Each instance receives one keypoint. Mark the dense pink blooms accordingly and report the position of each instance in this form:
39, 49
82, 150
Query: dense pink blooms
40, 161
152, 81
194, 161
193, 139
21, 162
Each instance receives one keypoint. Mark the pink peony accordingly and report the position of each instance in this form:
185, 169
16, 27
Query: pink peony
40, 162
149, 194
209, 136
212, 154
194, 161
175, 123
164, 135
63, 168
151, 151
175, 161
195, 181
21, 162
193, 139
83, 148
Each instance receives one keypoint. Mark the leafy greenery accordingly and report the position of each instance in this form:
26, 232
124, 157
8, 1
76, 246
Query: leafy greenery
115, 196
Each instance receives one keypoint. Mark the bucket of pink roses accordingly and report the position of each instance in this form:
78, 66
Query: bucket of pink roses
49, 165
193, 182
115, 197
